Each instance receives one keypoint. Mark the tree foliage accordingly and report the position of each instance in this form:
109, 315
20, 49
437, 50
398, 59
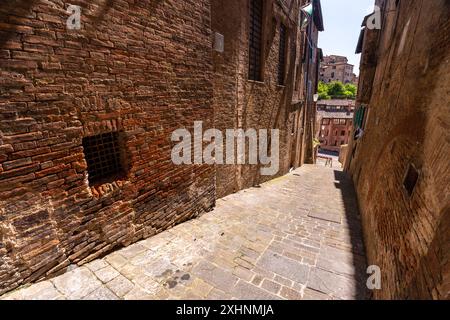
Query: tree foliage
336, 90
323, 91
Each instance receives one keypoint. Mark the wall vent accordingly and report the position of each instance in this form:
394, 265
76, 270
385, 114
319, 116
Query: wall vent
411, 178
103, 157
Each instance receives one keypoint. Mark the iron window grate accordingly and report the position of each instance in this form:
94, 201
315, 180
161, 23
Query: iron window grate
282, 55
103, 157
255, 40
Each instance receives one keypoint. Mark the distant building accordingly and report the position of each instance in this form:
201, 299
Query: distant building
334, 123
337, 68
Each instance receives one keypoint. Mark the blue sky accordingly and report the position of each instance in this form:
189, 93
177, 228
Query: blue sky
342, 21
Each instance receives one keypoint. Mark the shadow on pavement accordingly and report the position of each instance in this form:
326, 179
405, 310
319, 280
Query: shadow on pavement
345, 185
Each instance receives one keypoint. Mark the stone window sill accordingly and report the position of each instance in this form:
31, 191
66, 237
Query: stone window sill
256, 82
102, 190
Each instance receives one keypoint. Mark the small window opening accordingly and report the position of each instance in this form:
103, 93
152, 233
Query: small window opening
411, 178
103, 156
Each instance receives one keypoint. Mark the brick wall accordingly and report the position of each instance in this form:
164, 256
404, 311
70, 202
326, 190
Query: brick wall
247, 104
225, 81
407, 235
264, 105
142, 68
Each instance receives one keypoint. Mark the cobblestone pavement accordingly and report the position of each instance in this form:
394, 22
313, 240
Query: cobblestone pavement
335, 164
296, 237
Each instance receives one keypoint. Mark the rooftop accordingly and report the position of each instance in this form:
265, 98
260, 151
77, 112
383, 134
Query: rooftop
336, 102
334, 115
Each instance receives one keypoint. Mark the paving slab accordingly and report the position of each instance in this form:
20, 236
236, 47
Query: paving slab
283, 266
77, 283
295, 237
322, 214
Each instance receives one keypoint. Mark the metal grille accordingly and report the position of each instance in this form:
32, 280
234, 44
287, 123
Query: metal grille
282, 55
102, 154
255, 40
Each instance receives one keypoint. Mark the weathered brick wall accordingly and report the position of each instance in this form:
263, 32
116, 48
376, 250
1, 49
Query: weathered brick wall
144, 69
311, 110
139, 67
339, 70
225, 81
408, 123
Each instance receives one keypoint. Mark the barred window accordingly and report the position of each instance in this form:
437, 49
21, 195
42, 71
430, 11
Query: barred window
103, 158
282, 55
255, 40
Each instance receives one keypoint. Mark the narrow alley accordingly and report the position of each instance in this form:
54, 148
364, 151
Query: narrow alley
296, 237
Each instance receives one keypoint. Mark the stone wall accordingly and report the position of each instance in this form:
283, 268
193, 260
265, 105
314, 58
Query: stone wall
142, 68
247, 104
407, 126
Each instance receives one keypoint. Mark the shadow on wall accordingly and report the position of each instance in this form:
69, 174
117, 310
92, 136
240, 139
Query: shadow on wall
107, 5
439, 268
24, 8
103, 11
345, 185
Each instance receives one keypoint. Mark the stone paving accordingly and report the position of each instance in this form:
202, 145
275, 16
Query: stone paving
295, 237
335, 164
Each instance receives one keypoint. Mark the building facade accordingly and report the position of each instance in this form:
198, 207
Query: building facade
265, 78
400, 163
334, 123
337, 68
87, 116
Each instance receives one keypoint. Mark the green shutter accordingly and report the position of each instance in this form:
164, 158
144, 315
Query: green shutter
359, 117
